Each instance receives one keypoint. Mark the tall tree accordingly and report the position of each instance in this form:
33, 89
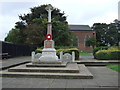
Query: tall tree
100, 29
107, 34
33, 26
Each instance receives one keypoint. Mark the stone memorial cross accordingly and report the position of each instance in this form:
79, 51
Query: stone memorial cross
49, 8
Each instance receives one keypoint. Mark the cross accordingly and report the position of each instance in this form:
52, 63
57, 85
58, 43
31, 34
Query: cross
49, 8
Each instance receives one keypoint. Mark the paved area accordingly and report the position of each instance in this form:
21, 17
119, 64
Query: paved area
17, 60
13, 61
103, 78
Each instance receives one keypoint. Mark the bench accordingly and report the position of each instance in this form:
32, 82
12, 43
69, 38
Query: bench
4, 55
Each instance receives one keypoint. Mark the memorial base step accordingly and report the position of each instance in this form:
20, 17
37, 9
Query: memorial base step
82, 72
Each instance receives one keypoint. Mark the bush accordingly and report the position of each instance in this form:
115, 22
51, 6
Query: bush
114, 48
38, 50
65, 47
70, 50
108, 54
67, 50
99, 48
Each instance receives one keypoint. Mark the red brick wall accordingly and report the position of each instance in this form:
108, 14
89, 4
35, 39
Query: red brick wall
81, 40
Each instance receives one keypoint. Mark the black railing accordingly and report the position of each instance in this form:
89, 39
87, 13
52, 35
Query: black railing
14, 50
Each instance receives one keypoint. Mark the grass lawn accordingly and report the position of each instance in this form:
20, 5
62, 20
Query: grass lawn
85, 54
114, 67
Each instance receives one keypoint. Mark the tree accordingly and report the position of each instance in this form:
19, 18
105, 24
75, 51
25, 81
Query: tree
33, 27
92, 42
100, 29
35, 34
107, 34
13, 36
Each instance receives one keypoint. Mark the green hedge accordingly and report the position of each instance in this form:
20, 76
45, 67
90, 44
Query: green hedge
99, 48
61, 47
108, 55
38, 50
70, 50
65, 50
64, 47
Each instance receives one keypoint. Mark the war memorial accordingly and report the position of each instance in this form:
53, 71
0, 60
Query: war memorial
47, 64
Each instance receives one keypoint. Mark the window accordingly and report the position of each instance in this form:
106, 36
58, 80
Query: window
86, 42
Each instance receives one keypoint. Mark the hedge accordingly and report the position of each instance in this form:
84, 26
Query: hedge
70, 50
67, 50
99, 48
108, 55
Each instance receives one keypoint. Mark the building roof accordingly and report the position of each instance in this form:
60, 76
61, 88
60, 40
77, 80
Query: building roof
80, 28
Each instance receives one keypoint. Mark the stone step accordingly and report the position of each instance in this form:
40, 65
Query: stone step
64, 64
47, 75
70, 68
83, 74
47, 62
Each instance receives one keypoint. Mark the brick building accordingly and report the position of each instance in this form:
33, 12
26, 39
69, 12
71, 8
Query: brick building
82, 32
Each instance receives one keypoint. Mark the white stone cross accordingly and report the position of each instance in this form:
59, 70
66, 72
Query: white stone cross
49, 8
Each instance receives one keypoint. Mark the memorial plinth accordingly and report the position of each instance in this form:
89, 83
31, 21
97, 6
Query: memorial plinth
48, 55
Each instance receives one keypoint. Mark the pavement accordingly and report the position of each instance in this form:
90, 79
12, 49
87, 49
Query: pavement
103, 78
6, 63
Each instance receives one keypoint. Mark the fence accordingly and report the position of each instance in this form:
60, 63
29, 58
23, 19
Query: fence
14, 50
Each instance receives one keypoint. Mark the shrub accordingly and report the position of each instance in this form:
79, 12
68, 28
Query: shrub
99, 48
70, 50
38, 50
67, 50
65, 47
108, 54
114, 48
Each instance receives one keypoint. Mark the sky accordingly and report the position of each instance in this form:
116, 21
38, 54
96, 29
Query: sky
80, 12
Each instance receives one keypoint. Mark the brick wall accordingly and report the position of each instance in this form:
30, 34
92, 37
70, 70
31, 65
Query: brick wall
81, 35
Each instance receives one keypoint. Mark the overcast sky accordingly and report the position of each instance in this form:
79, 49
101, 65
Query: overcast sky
80, 12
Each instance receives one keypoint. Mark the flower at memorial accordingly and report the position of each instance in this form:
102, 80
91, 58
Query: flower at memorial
48, 36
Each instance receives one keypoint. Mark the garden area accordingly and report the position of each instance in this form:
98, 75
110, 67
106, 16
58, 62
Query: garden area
99, 53
107, 53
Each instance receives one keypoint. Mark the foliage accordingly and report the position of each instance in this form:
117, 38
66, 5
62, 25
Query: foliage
65, 47
107, 34
91, 41
61, 35
108, 54
32, 27
99, 48
67, 50
14, 36
114, 67
38, 50
35, 34
85, 54
61, 47
114, 48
